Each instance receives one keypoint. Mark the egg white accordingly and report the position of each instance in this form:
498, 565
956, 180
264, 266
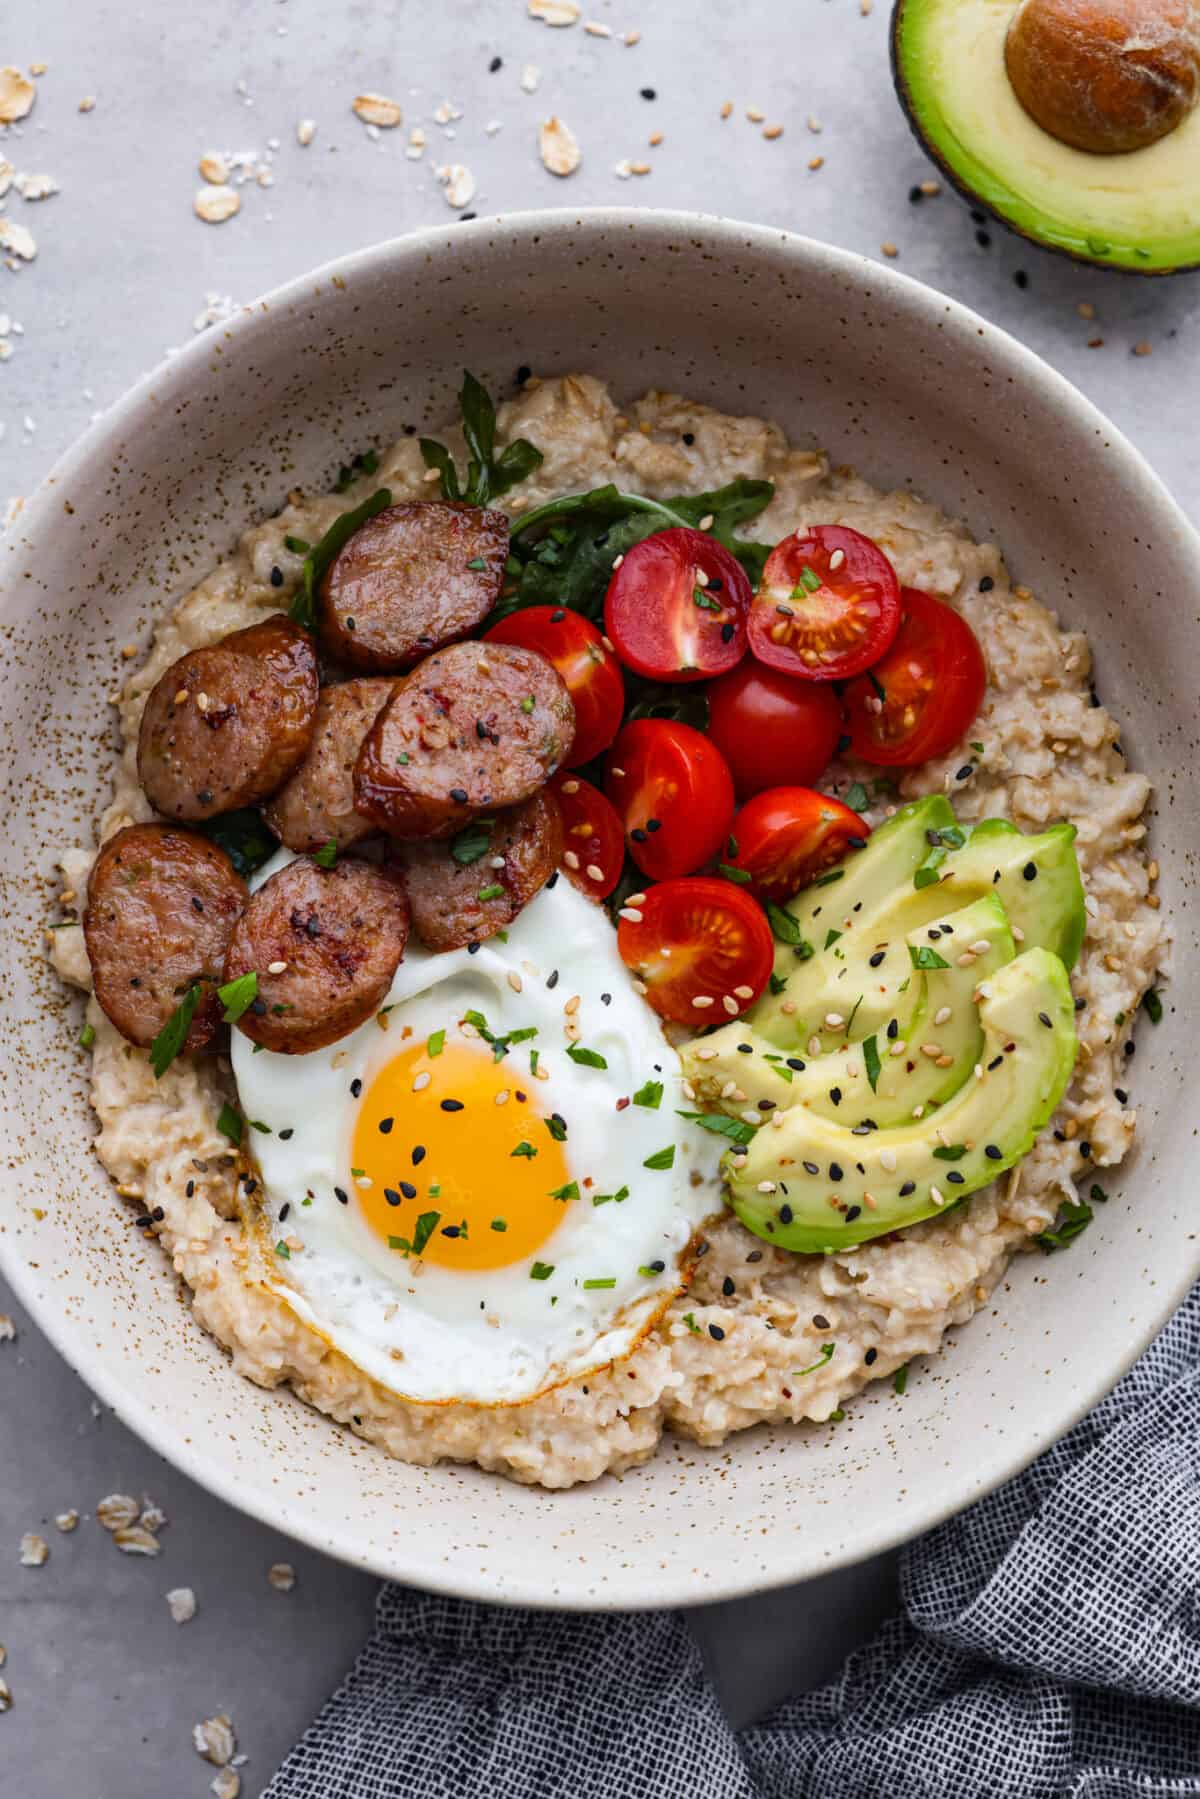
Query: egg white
494, 1336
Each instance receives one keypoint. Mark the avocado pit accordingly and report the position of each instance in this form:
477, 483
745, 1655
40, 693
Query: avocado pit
1106, 76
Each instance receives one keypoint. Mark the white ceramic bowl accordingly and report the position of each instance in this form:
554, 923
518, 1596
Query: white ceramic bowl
892, 377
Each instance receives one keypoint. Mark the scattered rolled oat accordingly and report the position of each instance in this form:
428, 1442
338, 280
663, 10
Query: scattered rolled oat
306, 130
377, 109
152, 1516
594, 28
458, 184
88, 103
531, 75
755, 114
726, 109
558, 148
5, 1695
34, 1550
117, 1511
889, 249
216, 204
36, 187
17, 95
930, 189
1086, 310
214, 168
135, 1539
182, 1604
282, 1576
226, 1784
772, 131
1143, 348
66, 1521
816, 162
16, 238
8, 1330
554, 12
214, 1739
631, 38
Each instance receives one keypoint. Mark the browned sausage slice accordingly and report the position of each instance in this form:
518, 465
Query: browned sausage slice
161, 907
316, 806
226, 725
476, 726
453, 904
334, 938
412, 578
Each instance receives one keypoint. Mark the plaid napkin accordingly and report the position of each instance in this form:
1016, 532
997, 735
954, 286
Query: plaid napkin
1049, 1645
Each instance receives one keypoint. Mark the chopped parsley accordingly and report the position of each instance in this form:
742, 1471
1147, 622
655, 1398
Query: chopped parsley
739, 876
499, 1224
925, 956
835, 874
826, 1355
569, 1191
735, 1128
492, 891
282, 1250
436, 1044
230, 1123
326, 856
857, 797
87, 1036
649, 1095
523, 1149
950, 1152
900, 1379
604, 1199
557, 1127
1152, 1005
237, 995
587, 1058
471, 842
662, 1158
871, 1058
541, 1271
173, 1036
1074, 1217
689, 1318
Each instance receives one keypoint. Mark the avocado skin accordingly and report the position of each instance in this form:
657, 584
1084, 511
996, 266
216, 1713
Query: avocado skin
1075, 248
1029, 998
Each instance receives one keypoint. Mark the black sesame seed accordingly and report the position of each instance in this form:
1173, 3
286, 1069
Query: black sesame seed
915, 196
893, 1029
983, 239
205, 796
452, 1105
258, 1007
523, 374
860, 1130
558, 615
145, 1221
189, 1190
197, 904
648, 93
1120, 1095
871, 1356
745, 1049
728, 1288
408, 1190
418, 1154
552, 979
756, 1255
1130, 1047
312, 928
811, 1168
355, 1088
820, 1322
986, 584
853, 1212
391, 1195
1060, 1136
766, 1105
995, 1063
702, 1249
796, 1063
689, 438
1021, 278
481, 729
284, 1209
522, 1097
993, 1154
786, 1214
495, 65
654, 824
385, 1125
835, 1171
459, 795
606, 999
658, 1267
342, 1197
1030, 871
835, 1094
877, 958
965, 772
727, 633
288, 1131
276, 577
907, 1188
638, 836
1085, 1150
857, 843
158, 1214
955, 1177
1080, 1004
451, 1230
1045, 1018
472, 949
716, 1333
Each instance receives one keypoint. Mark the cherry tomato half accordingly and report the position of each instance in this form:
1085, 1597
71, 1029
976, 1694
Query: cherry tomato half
920, 699
673, 793
828, 606
702, 947
593, 841
676, 608
592, 674
787, 836
771, 728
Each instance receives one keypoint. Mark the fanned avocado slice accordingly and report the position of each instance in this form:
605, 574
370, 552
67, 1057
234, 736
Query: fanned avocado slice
853, 953
814, 1187
883, 1078
1139, 209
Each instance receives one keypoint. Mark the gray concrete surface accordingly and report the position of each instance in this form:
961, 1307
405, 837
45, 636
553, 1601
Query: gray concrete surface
105, 1686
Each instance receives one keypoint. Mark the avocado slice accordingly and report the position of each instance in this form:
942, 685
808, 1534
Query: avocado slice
812, 1186
839, 1085
852, 956
1138, 210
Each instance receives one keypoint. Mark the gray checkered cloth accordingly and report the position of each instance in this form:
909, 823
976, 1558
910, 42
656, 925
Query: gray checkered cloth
1049, 1645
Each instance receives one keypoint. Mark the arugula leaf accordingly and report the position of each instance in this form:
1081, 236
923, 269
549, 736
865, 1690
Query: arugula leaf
721, 1126
303, 609
925, 957
662, 1158
785, 927
587, 1058
427, 1223
950, 1152
488, 475
603, 1199
1074, 1217
649, 1095
826, 1355
569, 1191
244, 837
173, 1036
326, 856
237, 995
871, 1058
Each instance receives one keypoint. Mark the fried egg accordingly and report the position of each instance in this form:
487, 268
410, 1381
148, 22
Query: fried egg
487, 1189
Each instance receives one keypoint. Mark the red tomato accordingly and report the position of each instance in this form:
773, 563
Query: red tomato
673, 793
593, 676
594, 846
788, 836
702, 947
771, 728
828, 606
920, 699
676, 608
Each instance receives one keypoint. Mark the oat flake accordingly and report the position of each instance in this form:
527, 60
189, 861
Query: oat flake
35, 1550
17, 95
554, 12
377, 109
458, 183
214, 168
282, 1576
216, 204
558, 147
306, 130
227, 1784
182, 1603
135, 1539
16, 238
215, 1740
117, 1510
6, 176
5, 1695
531, 77
36, 187
66, 1521
8, 1330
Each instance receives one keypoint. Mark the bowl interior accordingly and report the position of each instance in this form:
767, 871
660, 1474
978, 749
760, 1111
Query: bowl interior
892, 378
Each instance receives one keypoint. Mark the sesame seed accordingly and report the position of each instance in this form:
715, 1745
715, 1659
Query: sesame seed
814, 1046
421, 1081
749, 1117
744, 992
701, 1000
571, 859
631, 914
766, 1186
837, 559
181, 697
834, 1020
618, 772
730, 1004
938, 1198
980, 947
887, 1159
276, 967
636, 899
594, 872
932, 1050
515, 981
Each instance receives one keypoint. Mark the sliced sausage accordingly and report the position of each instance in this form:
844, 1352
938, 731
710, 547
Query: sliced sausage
476, 726
325, 943
316, 805
449, 907
161, 906
412, 578
226, 725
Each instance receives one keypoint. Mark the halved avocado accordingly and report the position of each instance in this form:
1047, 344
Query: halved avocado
1137, 210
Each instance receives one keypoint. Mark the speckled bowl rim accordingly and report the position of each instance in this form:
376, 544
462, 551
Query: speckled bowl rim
929, 306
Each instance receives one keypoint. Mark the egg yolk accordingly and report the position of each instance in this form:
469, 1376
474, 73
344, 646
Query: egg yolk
452, 1157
